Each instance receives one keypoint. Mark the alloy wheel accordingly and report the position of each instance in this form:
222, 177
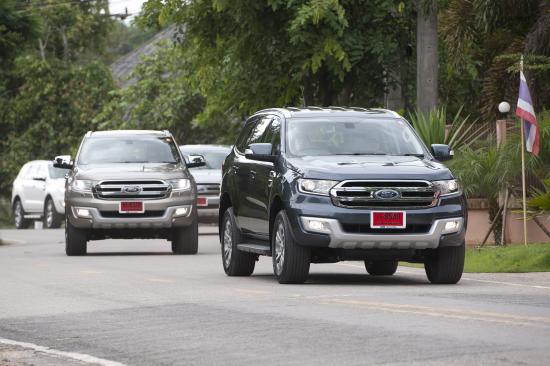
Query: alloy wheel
279, 249
49, 213
227, 243
18, 213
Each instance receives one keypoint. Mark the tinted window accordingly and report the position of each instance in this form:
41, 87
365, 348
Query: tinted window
356, 136
128, 149
272, 135
258, 131
243, 136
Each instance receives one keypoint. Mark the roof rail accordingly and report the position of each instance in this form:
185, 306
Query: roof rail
361, 109
89, 133
393, 113
283, 111
295, 109
314, 107
337, 107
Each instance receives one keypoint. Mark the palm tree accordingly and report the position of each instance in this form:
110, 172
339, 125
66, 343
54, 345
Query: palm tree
427, 60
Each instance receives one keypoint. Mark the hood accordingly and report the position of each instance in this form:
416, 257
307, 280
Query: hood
369, 167
205, 176
130, 171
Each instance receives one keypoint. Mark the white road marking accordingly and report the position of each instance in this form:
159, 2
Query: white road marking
463, 278
72, 355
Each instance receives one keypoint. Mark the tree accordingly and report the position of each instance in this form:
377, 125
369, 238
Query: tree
250, 54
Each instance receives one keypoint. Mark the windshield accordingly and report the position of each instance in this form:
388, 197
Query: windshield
128, 149
214, 159
355, 136
57, 173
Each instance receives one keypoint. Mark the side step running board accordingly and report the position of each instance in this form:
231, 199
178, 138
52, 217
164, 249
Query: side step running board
262, 249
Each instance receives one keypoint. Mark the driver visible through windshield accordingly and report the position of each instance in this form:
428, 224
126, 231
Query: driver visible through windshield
345, 136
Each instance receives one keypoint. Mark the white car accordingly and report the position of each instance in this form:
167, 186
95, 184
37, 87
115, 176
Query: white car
38, 193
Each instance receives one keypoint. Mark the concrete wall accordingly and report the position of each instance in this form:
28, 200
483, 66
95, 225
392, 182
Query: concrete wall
478, 225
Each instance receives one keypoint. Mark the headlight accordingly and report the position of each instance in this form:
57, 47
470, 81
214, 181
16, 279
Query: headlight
180, 184
316, 186
446, 187
82, 185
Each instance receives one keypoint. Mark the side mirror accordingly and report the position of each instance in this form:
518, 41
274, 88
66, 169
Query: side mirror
62, 162
196, 161
442, 152
260, 152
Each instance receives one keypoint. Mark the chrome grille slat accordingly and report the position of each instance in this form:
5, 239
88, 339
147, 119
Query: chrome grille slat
148, 189
360, 194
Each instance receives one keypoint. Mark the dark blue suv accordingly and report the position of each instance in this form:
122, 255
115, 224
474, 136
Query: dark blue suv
321, 185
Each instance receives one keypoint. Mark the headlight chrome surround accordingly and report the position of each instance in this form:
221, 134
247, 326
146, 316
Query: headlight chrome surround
82, 185
447, 187
316, 186
179, 185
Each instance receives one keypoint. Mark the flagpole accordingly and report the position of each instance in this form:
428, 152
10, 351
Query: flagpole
522, 138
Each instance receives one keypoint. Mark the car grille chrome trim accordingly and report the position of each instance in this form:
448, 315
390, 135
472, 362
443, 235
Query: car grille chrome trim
138, 189
361, 194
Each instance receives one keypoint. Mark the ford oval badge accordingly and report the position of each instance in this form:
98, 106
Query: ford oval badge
386, 194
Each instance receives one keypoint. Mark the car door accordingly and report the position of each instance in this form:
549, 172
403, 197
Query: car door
250, 209
264, 173
36, 187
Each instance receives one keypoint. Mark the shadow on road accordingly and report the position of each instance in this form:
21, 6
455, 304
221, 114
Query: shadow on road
109, 254
353, 279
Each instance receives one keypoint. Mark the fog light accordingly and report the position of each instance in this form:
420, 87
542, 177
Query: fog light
316, 225
83, 212
451, 226
182, 211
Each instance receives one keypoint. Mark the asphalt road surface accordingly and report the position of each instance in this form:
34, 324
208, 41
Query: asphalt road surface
134, 303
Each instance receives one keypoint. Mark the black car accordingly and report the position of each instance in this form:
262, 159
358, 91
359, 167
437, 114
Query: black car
321, 185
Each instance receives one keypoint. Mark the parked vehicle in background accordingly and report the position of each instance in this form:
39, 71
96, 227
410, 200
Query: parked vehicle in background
322, 185
207, 177
38, 194
129, 185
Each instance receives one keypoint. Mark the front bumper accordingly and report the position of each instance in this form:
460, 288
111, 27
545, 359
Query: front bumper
448, 209
431, 239
97, 209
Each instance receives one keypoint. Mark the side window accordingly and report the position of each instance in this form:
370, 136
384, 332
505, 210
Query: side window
258, 131
273, 135
42, 170
240, 144
31, 172
23, 174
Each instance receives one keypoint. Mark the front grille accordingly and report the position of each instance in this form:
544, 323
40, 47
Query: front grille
131, 189
210, 189
365, 194
116, 214
366, 229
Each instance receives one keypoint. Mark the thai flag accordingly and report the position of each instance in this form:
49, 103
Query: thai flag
526, 112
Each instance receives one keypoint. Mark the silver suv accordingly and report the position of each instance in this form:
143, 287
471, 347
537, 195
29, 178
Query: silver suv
129, 184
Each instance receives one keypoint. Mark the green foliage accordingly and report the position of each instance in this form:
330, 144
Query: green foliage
16, 29
50, 112
162, 98
541, 199
250, 54
432, 127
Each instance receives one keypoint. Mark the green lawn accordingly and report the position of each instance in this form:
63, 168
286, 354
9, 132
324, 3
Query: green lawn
511, 258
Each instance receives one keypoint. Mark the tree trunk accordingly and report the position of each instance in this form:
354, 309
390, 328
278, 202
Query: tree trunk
426, 56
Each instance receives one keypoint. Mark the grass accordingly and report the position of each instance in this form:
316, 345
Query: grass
508, 259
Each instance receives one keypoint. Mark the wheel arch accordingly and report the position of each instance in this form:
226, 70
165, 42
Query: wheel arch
225, 203
276, 206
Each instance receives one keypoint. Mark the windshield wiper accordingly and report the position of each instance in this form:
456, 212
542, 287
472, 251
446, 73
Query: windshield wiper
411, 154
363, 154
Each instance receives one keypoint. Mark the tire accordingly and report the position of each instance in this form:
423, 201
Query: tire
290, 260
75, 240
185, 240
381, 268
19, 216
52, 220
235, 262
445, 265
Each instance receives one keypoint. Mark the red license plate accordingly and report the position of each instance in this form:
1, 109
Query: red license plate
131, 207
388, 219
202, 201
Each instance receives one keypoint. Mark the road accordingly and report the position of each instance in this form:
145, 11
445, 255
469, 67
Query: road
134, 303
